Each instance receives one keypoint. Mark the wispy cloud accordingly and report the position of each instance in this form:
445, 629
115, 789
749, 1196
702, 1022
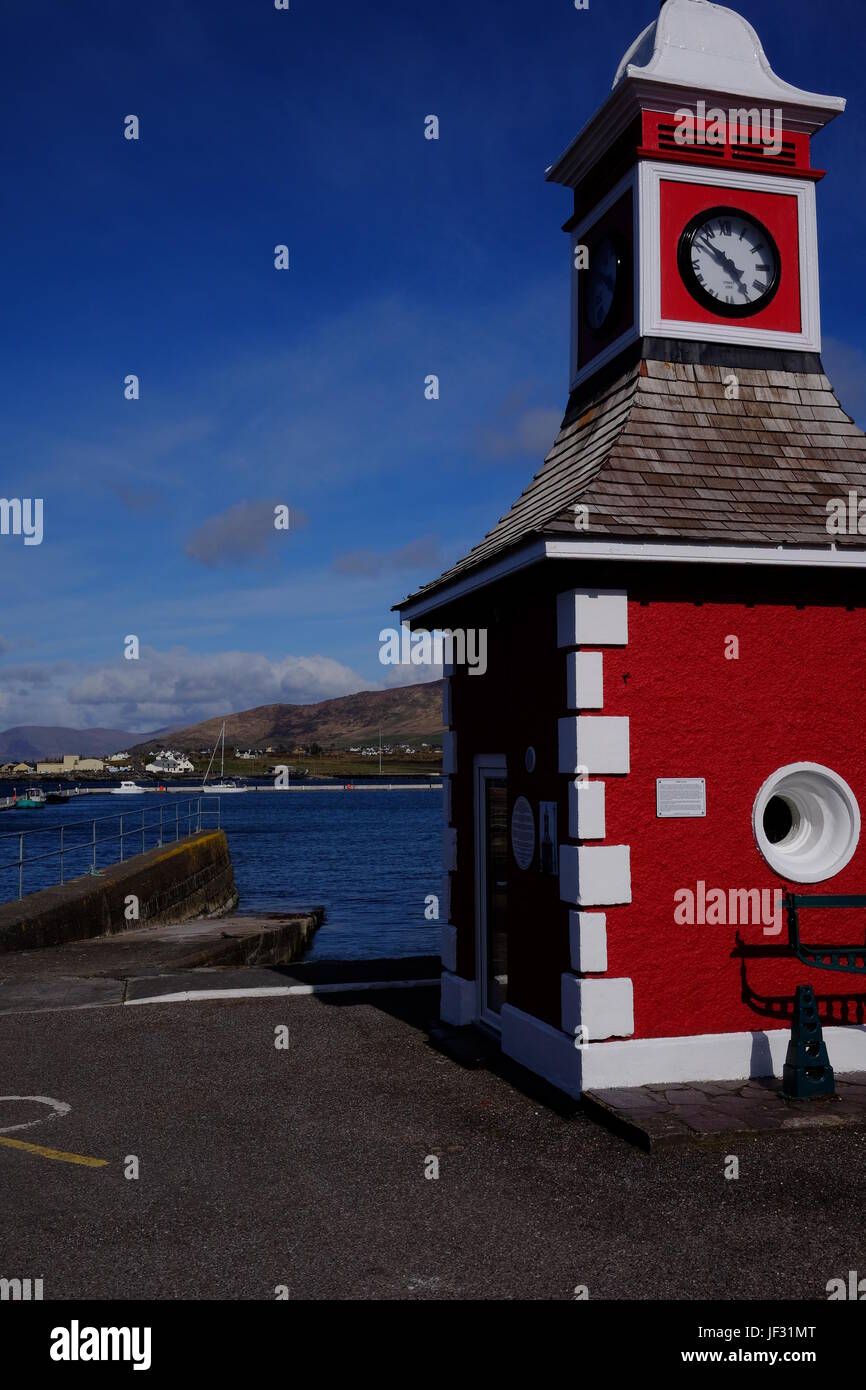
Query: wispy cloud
423, 553
242, 534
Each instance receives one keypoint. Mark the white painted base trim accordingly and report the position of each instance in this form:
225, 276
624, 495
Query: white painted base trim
459, 1004
709, 1057
542, 1049
661, 1061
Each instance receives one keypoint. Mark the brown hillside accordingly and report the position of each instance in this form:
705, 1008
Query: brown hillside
408, 711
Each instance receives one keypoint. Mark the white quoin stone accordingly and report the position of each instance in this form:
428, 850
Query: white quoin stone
585, 678
586, 810
446, 704
601, 1008
449, 848
449, 754
448, 947
595, 875
595, 742
458, 1000
592, 618
587, 937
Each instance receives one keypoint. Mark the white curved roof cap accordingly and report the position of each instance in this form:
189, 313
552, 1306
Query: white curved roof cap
697, 44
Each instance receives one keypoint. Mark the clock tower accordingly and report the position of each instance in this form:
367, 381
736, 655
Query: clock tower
694, 198
668, 733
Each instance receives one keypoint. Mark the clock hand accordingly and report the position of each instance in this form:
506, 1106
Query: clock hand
722, 259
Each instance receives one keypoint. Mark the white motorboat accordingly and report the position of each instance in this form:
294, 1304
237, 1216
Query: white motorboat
226, 785
128, 789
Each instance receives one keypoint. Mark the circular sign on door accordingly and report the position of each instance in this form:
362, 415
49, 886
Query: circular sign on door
523, 833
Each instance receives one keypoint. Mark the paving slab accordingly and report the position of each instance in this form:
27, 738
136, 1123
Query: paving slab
662, 1117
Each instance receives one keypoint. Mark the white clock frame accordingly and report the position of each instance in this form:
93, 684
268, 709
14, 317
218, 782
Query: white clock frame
585, 225
645, 182
655, 325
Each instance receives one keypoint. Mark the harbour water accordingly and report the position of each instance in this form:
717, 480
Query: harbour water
371, 859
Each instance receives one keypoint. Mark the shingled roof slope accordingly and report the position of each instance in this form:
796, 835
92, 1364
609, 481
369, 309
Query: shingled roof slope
667, 451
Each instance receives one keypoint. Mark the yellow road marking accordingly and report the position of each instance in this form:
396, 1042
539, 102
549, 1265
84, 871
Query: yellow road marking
54, 1153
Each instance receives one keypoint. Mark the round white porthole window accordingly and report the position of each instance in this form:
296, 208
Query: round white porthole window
806, 822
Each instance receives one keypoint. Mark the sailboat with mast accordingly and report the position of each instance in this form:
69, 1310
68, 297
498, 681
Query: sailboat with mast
225, 785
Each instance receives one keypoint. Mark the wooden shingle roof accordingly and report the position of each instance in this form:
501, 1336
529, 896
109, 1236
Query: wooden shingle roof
680, 451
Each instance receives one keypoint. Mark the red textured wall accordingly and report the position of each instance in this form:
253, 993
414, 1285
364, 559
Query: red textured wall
796, 694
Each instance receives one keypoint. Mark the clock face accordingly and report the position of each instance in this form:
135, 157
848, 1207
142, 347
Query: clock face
729, 262
603, 278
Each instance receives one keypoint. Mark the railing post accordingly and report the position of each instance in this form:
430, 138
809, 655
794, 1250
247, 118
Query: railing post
142, 830
177, 820
20, 864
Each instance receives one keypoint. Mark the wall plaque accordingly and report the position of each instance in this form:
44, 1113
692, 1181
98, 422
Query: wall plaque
681, 796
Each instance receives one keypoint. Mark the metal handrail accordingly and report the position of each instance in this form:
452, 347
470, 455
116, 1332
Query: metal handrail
194, 819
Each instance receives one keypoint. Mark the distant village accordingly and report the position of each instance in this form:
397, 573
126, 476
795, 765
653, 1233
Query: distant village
171, 763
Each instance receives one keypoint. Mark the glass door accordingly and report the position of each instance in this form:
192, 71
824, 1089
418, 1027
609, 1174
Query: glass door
491, 809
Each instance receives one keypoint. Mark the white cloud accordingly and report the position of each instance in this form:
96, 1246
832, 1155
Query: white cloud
169, 688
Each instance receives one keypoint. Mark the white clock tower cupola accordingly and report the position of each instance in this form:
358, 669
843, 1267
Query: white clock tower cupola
694, 200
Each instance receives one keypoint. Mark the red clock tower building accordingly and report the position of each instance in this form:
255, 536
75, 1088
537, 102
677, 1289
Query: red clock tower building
669, 731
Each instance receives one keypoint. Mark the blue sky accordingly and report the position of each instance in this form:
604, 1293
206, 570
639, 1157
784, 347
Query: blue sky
303, 387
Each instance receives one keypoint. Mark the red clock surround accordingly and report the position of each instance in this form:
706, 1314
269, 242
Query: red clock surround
679, 202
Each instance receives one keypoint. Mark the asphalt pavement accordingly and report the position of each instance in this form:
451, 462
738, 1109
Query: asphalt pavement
306, 1167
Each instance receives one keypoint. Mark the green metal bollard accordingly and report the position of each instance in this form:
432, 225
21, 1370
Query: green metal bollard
807, 1072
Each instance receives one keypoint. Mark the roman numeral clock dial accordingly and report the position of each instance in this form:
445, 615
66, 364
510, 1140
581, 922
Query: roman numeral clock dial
729, 262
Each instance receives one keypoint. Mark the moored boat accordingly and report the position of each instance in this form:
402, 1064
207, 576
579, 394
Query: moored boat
128, 789
32, 800
225, 785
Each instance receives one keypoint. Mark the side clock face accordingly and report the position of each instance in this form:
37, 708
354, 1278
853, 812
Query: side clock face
729, 262
603, 281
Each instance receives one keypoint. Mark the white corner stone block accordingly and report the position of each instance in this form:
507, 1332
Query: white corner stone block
458, 1000
599, 1008
587, 937
595, 875
449, 754
586, 810
448, 947
592, 618
585, 678
596, 742
542, 1049
446, 703
449, 848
